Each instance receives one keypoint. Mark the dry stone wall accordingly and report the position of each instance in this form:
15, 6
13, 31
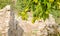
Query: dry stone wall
4, 20
10, 25
40, 27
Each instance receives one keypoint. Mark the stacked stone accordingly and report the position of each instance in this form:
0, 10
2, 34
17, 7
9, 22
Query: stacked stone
39, 28
19, 27
4, 20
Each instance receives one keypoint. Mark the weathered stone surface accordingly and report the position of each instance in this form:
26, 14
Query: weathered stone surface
12, 26
39, 28
4, 20
8, 23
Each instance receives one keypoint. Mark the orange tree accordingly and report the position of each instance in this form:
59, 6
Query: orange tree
39, 8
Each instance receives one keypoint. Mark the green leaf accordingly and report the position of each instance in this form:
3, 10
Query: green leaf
48, 5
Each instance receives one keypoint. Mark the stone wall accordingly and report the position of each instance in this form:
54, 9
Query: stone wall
40, 28
10, 25
4, 20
